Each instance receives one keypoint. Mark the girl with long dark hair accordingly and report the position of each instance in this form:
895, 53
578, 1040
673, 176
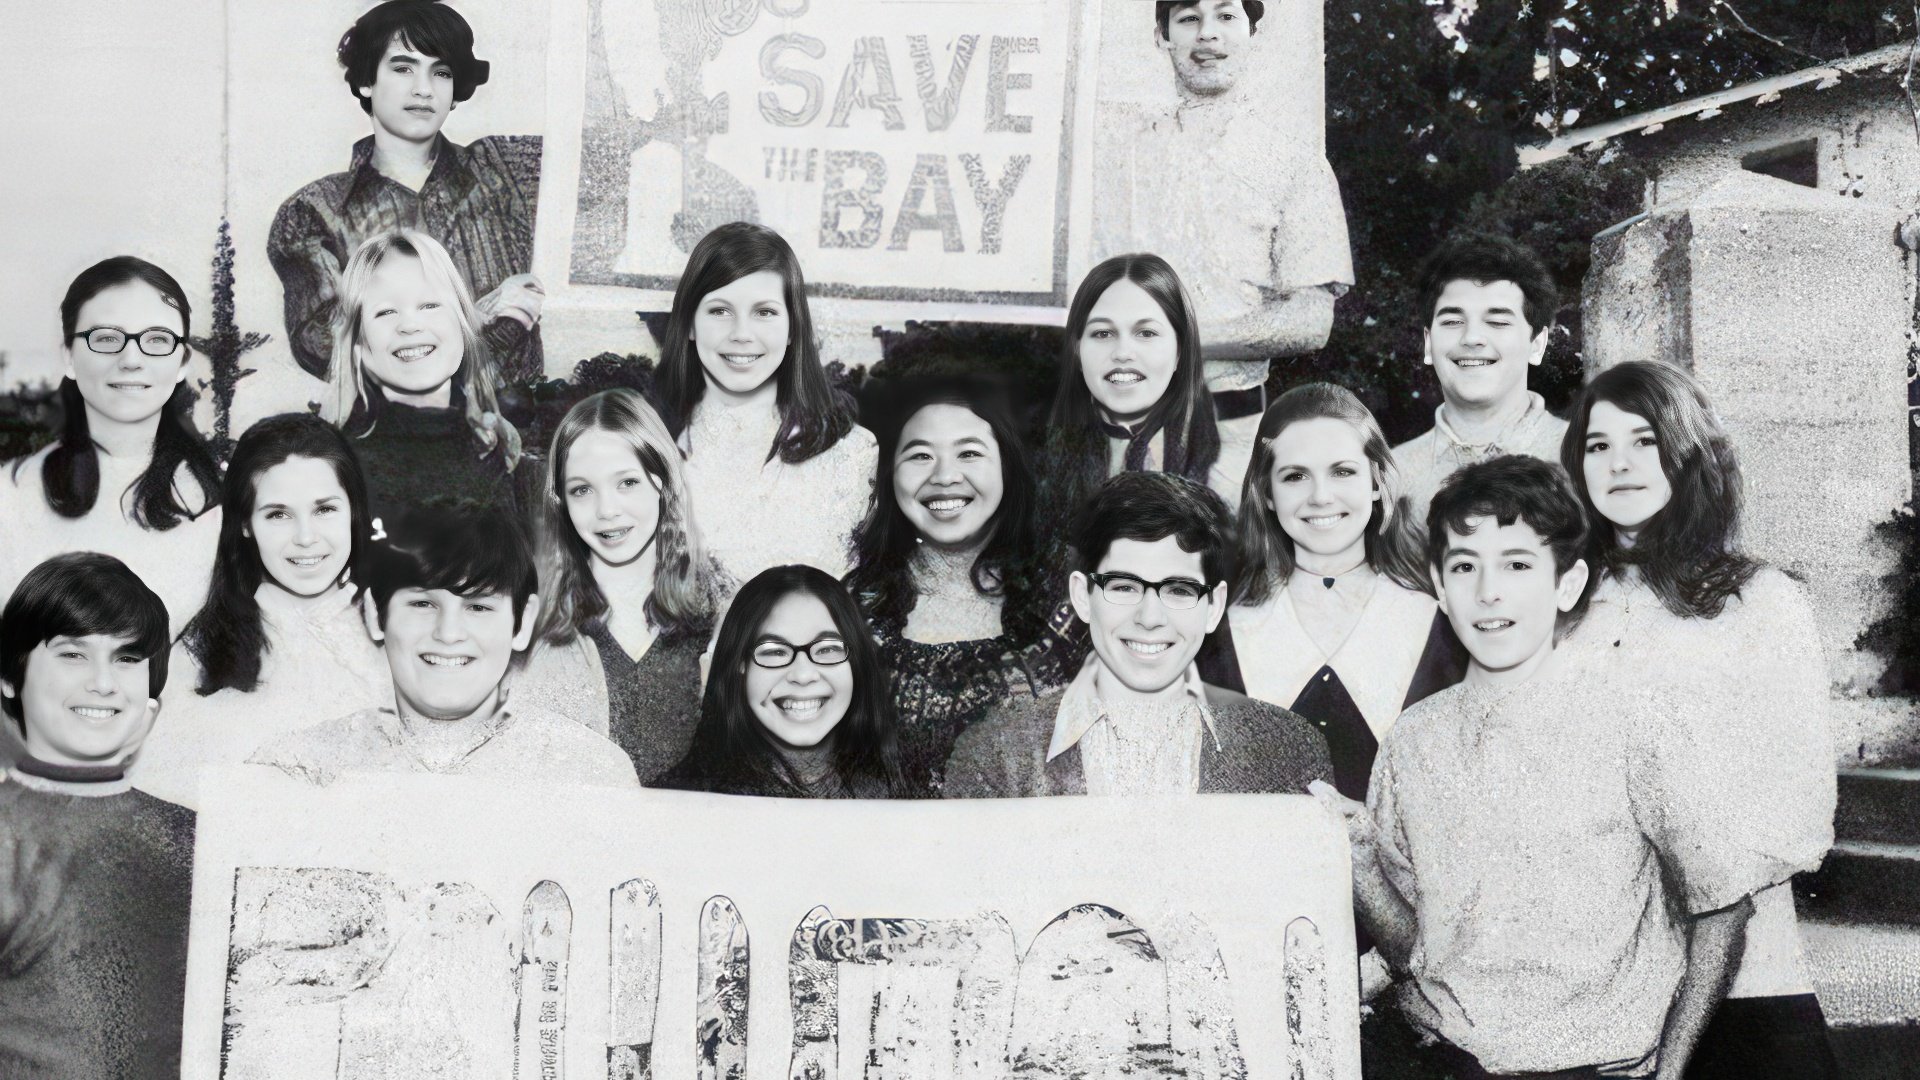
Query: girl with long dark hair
945, 564
629, 591
128, 476
280, 643
1333, 610
779, 471
412, 382
1676, 601
796, 701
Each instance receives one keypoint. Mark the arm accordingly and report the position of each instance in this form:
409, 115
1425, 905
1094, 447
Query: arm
1715, 942
1380, 905
302, 251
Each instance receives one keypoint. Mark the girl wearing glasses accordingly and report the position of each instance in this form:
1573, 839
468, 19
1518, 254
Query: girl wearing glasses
280, 644
796, 702
628, 589
945, 563
778, 469
128, 475
1333, 614
1676, 600
413, 383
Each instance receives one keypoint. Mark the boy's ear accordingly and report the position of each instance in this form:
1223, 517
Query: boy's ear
1217, 609
1537, 350
523, 633
1439, 591
1571, 585
1078, 595
370, 611
138, 738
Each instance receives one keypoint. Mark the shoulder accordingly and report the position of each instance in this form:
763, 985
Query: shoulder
857, 443
1417, 443
325, 191
1418, 723
22, 474
1019, 720
1261, 719
1772, 593
519, 154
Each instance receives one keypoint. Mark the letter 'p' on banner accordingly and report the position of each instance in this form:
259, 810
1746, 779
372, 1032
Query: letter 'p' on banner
471, 930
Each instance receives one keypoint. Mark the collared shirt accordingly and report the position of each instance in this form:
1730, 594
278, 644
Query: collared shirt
1240, 213
1551, 838
1134, 749
1427, 460
478, 201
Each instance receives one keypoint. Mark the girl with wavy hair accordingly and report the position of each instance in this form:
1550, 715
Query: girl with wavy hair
128, 474
1333, 610
280, 643
796, 703
412, 382
629, 591
741, 387
1733, 644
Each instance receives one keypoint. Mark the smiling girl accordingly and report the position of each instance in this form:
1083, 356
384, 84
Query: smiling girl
1677, 602
1334, 615
631, 590
945, 564
279, 644
797, 702
778, 470
413, 383
128, 475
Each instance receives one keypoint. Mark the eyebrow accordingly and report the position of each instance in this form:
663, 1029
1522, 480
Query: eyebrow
1643, 429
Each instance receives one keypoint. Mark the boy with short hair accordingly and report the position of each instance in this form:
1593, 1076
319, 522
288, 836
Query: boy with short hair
1556, 866
450, 597
95, 878
1488, 305
1138, 720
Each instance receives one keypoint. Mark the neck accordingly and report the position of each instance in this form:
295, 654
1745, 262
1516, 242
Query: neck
1539, 665
1333, 565
402, 160
272, 596
1109, 689
123, 441
810, 764
765, 396
419, 722
1191, 100
627, 585
1482, 422
935, 562
1626, 537
440, 397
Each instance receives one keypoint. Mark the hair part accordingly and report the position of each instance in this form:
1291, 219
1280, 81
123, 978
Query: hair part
1510, 488
79, 594
1484, 258
1163, 13
1689, 554
685, 591
70, 473
1395, 541
353, 401
732, 751
1153, 506
466, 553
426, 26
228, 636
813, 417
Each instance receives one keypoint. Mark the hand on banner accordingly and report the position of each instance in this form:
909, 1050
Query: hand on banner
1351, 812
518, 298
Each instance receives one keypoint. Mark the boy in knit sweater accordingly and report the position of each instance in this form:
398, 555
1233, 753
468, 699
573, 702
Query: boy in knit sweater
95, 877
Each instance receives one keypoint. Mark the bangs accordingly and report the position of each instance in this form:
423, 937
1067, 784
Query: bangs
467, 554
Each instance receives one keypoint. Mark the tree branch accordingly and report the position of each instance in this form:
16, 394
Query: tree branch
1906, 81
1774, 41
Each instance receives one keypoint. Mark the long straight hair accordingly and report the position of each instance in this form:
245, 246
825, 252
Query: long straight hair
1689, 554
354, 401
70, 473
731, 750
1006, 566
228, 637
1396, 544
684, 581
812, 416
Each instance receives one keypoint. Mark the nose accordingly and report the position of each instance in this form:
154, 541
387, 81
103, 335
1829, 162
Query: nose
1151, 612
802, 671
1486, 591
422, 82
946, 470
1617, 461
740, 328
101, 681
603, 504
450, 627
1472, 333
1318, 494
303, 533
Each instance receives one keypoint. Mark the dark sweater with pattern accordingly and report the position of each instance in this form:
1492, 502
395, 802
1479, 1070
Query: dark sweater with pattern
94, 899
429, 457
653, 703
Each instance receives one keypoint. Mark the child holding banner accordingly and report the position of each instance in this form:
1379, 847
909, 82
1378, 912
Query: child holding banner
779, 471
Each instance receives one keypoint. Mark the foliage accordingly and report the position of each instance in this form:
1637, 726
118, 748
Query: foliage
225, 346
29, 417
1896, 635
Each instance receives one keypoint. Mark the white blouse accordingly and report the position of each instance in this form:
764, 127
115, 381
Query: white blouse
321, 665
754, 512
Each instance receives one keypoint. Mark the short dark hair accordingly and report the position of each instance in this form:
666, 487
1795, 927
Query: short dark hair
467, 553
1148, 506
1507, 489
426, 25
75, 595
1485, 258
1163, 13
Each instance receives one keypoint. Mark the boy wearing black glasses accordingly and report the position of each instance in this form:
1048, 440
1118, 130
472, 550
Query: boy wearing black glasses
1138, 720
450, 597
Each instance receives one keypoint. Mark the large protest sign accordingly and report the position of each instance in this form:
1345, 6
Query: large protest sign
428, 926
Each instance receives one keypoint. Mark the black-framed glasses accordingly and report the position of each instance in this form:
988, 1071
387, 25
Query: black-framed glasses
778, 654
1127, 590
111, 340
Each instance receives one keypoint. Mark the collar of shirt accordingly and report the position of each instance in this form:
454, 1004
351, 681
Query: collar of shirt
86, 789
396, 730
282, 606
449, 167
1080, 707
1536, 408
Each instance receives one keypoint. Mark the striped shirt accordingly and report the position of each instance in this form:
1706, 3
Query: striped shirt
478, 201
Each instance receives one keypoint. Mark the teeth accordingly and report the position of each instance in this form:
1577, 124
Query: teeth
1126, 377
739, 360
1491, 625
1325, 520
1473, 361
93, 712
614, 536
437, 660
1149, 648
412, 352
307, 562
801, 707
940, 506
